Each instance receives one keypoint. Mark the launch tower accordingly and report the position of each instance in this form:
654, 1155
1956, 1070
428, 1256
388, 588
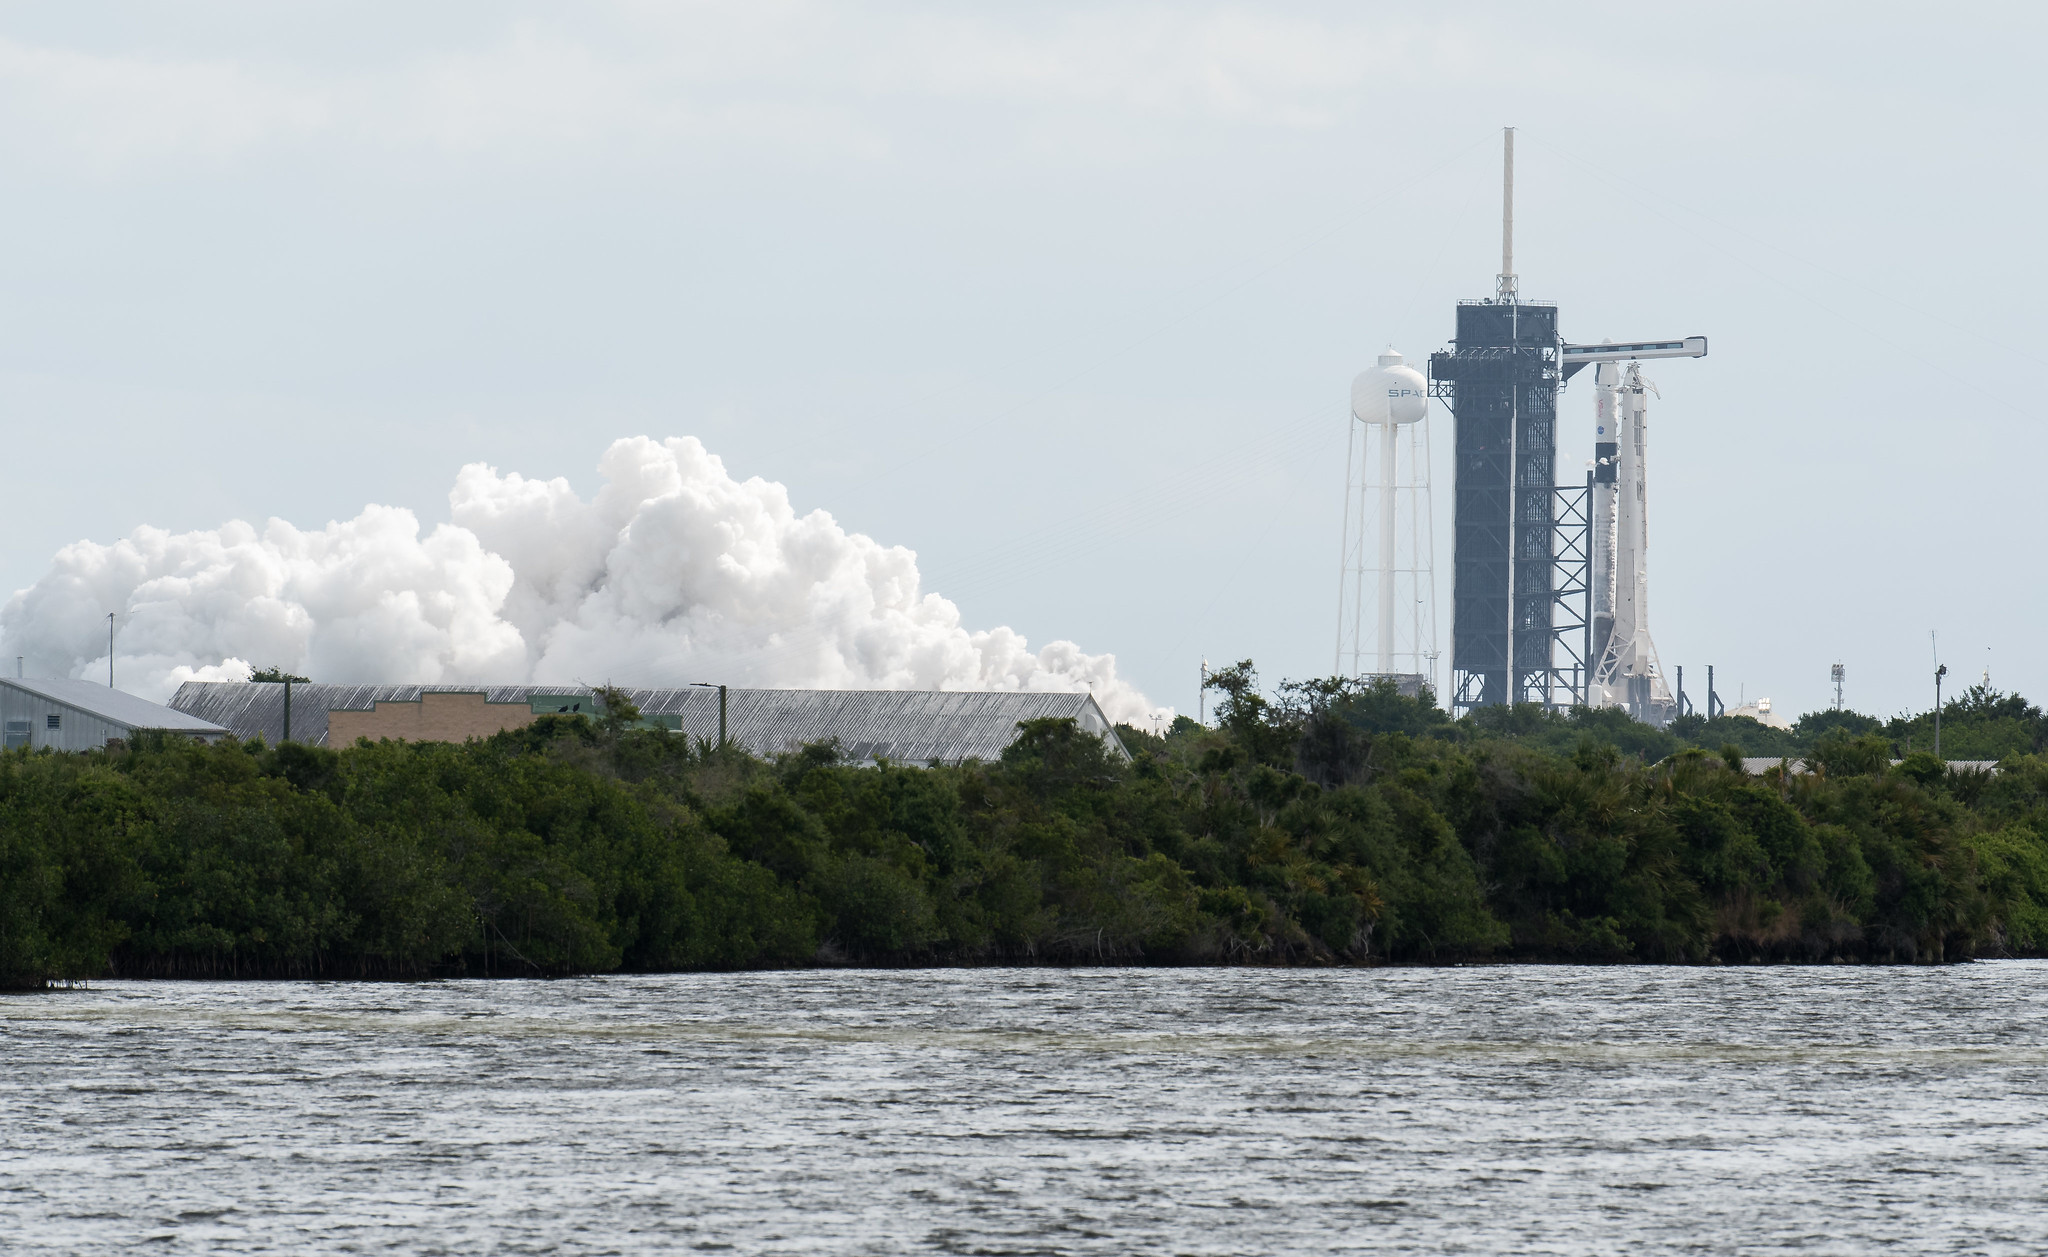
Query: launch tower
1500, 380
1532, 558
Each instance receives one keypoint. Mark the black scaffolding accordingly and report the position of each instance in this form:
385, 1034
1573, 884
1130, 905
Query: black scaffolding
1522, 543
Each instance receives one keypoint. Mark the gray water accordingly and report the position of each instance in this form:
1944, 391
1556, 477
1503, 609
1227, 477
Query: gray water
1831, 1110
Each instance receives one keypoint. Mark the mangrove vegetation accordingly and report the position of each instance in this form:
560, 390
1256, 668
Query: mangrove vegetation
1319, 823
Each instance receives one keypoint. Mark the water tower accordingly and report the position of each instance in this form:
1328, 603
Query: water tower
1386, 593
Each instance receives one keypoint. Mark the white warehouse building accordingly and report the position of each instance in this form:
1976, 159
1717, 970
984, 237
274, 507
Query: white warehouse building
84, 716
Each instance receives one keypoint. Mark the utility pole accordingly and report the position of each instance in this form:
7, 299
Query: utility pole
706, 685
1202, 695
1940, 671
274, 676
110, 650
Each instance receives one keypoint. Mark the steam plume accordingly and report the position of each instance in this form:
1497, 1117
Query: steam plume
674, 572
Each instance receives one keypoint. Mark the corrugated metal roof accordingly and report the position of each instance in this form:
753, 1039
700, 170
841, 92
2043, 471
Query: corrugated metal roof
904, 726
1756, 765
114, 706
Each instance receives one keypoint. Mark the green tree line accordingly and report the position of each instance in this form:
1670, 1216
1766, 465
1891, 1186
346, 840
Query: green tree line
1324, 823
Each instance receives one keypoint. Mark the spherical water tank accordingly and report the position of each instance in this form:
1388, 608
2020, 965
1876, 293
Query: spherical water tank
1391, 392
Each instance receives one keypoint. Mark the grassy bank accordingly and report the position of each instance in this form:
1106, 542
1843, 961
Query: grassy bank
1325, 824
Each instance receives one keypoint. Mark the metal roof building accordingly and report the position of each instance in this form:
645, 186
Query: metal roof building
903, 726
84, 716
1758, 765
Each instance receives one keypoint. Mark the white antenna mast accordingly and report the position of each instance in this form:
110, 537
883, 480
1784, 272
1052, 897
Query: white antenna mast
1504, 288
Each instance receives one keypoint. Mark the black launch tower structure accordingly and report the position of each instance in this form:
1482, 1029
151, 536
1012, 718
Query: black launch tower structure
1520, 540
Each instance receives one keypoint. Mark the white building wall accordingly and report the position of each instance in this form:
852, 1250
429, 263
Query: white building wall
25, 720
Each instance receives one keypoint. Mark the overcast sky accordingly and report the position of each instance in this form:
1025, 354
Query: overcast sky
1064, 298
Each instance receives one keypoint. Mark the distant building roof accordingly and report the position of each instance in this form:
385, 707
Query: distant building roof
1796, 764
114, 706
904, 726
1760, 711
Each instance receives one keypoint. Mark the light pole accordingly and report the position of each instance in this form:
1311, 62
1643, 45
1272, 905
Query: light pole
706, 685
1940, 671
273, 676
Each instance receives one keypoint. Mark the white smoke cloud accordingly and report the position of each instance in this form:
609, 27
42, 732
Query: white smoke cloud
674, 572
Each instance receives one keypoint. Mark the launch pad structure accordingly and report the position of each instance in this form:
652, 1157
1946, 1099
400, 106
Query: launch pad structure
1501, 382
1550, 587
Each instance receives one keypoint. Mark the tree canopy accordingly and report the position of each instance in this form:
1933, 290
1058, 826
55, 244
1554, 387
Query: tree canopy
1324, 822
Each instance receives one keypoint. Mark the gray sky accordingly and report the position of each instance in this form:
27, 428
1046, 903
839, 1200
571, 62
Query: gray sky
1067, 299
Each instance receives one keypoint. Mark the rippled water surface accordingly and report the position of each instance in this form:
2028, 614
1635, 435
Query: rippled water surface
1038, 1111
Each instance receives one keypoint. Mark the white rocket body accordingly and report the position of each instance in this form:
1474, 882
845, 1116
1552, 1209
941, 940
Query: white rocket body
1606, 421
1627, 673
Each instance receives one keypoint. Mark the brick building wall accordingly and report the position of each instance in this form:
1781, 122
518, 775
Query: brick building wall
436, 717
